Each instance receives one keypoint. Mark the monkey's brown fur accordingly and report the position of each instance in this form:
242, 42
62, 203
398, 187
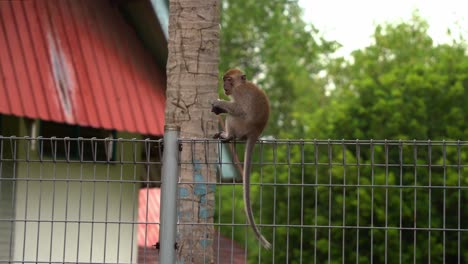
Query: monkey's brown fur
247, 116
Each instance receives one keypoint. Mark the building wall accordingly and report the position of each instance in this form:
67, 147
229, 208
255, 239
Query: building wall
88, 213
80, 211
8, 126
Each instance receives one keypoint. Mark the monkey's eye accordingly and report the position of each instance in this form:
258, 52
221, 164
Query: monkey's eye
227, 79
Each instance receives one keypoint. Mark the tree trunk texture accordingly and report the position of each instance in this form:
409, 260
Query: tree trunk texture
192, 81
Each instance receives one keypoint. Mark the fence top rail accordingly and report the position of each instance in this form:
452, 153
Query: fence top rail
262, 141
93, 139
340, 141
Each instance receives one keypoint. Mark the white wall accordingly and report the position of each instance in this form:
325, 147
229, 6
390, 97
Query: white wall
85, 215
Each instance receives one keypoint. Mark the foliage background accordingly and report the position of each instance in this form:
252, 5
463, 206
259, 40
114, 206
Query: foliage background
402, 86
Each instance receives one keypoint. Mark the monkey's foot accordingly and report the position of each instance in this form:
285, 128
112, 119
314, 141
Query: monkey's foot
217, 135
223, 136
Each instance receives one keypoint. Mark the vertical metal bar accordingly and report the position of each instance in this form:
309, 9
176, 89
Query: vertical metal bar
194, 160
1, 161
235, 163
93, 220
459, 168
13, 193
429, 205
302, 200
330, 190
372, 202
400, 149
118, 143
415, 195
170, 177
41, 167
195, 207
106, 212
343, 242
219, 201
146, 205
114, 143
2, 142
444, 161
28, 175
288, 217
66, 145
261, 194
26, 198
135, 192
205, 201
233, 213
79, 145
275, 178
38, 199
358, 164
386, 201
147, 208
53, 147
316, 153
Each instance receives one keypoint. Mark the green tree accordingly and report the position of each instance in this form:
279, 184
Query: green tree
403, 86
403, 81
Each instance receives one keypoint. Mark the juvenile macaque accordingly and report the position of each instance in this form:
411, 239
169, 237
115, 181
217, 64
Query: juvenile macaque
247, 116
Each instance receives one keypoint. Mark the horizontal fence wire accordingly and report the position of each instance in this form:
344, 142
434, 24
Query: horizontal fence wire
83, 200
339, 201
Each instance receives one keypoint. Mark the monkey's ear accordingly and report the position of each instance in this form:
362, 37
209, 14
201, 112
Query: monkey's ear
243, 77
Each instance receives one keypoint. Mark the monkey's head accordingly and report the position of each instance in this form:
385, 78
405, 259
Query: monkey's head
231, 79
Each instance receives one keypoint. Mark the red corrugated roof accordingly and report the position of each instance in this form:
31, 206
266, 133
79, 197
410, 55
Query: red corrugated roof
77, 62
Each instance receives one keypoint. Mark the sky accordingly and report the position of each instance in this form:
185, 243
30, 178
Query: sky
352, 23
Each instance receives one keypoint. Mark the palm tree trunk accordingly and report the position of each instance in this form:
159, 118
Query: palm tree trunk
192, 81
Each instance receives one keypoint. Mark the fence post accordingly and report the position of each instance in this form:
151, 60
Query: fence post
170, 177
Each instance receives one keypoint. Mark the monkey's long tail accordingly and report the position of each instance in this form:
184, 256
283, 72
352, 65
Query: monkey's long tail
246, 184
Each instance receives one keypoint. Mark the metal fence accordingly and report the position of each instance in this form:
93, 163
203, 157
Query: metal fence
77, 200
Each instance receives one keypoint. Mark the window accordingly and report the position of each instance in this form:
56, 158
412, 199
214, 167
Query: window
152, 154
87, 148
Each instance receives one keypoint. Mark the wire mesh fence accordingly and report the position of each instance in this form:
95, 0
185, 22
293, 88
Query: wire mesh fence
75, 200
340, 201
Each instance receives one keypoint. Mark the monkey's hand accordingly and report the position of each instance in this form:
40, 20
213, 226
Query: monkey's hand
215, 108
